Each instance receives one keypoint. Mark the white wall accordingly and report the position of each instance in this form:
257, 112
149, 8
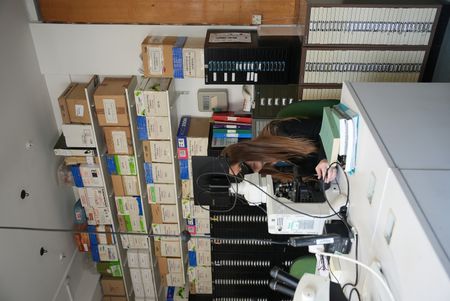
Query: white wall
26, 115
71, 51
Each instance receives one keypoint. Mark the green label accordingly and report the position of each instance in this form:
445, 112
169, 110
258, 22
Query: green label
117, 163
119, 202
153, 194
132, 164
128, 223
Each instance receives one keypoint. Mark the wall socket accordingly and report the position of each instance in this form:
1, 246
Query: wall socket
256, 19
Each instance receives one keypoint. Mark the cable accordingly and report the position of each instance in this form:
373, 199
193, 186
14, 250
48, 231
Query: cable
205, 190
347, 197
351, 294
381, 280
181, 235
356, 266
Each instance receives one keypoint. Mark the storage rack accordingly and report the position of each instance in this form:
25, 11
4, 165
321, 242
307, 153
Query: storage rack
109, 195
141, 84
364, 41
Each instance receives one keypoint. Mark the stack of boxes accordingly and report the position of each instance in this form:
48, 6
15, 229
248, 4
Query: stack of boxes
192, 140
177, 57
112, 113
79, 139
154, 122
141, 274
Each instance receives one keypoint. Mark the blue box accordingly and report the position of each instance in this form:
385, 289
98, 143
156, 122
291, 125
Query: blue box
184, 169
182, 132
192, 258
141, 210
94, 253
75, 169
170, 293
177, 54
92, 235
111, 164
141, 124
148, 173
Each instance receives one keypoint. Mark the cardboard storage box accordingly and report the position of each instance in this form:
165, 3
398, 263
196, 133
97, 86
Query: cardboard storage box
157, 56
167, 248
154, 96
161, 193
118, 140
125, 185
150, 128
193, 58
164, 214
169, 265
91, 175
63, 104
78, 135
159, 173
157, 151
77, 105
110, 102
112, 286
192, 137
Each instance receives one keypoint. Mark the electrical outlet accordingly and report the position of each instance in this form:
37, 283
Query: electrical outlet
256, 19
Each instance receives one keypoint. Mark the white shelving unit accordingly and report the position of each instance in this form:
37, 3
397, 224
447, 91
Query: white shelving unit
139, 158
109, 194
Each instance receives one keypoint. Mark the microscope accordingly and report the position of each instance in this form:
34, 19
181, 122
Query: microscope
292, 208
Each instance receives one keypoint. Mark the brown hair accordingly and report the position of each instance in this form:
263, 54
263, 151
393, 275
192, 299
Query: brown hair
269, 148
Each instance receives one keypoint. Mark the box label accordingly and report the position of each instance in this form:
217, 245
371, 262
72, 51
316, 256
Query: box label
156, 60
79, 110
130, 185
109, 106
160, 151
189, 63
120, 143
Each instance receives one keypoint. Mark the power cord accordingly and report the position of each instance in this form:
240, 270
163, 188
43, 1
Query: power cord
184, 236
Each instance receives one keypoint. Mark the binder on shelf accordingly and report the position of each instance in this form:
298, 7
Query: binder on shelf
231, 117
358, 23
352, 143
329, 134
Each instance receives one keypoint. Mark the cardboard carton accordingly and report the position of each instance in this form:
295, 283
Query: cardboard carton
112, 286
78, 135
63, 104
157, 151
193, 58
118, 140
110, 102
77, 105
157, 56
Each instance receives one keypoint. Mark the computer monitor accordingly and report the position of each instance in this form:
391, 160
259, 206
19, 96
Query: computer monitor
211, 181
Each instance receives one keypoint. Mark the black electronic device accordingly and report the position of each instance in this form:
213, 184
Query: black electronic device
302, 191
335, 239
243, 57
211, 181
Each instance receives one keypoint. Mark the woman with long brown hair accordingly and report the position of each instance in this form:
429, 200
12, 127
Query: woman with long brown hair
280, 145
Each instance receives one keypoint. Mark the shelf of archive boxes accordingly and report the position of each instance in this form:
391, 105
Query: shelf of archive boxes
136, 82
101, 152
139, 158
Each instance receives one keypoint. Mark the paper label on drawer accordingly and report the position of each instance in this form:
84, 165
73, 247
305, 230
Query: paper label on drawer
109, 106
79, 110
156, 60
119, 139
